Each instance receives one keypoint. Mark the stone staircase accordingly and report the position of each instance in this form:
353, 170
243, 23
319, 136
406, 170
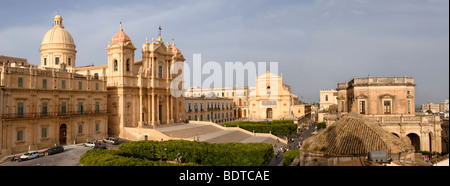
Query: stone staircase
214, 133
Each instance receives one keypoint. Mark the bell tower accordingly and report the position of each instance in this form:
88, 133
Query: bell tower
120, 59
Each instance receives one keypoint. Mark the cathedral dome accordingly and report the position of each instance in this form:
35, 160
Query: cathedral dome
121, 37
58, 37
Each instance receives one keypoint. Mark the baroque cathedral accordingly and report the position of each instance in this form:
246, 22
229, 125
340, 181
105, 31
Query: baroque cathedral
57, 103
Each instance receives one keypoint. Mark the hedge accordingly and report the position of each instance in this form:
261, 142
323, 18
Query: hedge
289, 156
276, 127
321, 125
100, 157
148, 153
209, 154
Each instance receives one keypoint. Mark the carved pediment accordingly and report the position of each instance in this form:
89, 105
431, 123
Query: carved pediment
361, 96
386, 96
340, 98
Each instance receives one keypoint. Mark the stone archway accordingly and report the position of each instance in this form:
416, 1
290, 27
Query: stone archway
414, 140
62, 134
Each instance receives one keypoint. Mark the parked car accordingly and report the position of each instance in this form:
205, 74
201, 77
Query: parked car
89, 144
54, 150
100, 147
111, 140
29, 155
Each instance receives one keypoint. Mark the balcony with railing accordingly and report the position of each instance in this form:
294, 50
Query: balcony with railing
51, 114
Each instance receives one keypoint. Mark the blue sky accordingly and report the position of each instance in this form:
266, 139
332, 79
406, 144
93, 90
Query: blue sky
317, 43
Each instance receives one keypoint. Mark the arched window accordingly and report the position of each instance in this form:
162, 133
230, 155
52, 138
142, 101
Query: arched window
96, 76
115, 65
128, 64
268, 90
326, 97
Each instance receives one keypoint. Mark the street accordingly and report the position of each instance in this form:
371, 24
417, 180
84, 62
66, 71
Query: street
70, 157
299, 137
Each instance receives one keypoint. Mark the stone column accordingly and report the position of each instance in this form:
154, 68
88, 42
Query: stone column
153, 108
167, 109
157, 110
149, 108
171, 110
141, 105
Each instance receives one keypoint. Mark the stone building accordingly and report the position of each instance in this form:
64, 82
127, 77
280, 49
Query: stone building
47, 105
273, 99
327, 98
377, 95
389, 102
239, 95
211, 108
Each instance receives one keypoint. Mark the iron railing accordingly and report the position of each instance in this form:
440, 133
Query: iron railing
51, 114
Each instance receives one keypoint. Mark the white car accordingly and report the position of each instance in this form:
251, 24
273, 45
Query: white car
29, 155
89, 144
110, 140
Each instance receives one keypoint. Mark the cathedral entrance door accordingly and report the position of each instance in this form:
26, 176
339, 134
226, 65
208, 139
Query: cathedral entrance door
269, 113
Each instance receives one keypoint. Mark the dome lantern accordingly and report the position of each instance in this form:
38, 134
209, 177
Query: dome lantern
58, 20
58, 47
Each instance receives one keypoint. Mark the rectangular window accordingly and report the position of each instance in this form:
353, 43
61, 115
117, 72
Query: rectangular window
63, 107
160, 72
97, 127
45, 61
80, 108
56, 60
80, 129
80, 85
362, 107
96, 86
387, 107
63, 84
44, 108
97, 107
68, 61
20, 109
20, 82
44, 133
44, 83
20, 135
